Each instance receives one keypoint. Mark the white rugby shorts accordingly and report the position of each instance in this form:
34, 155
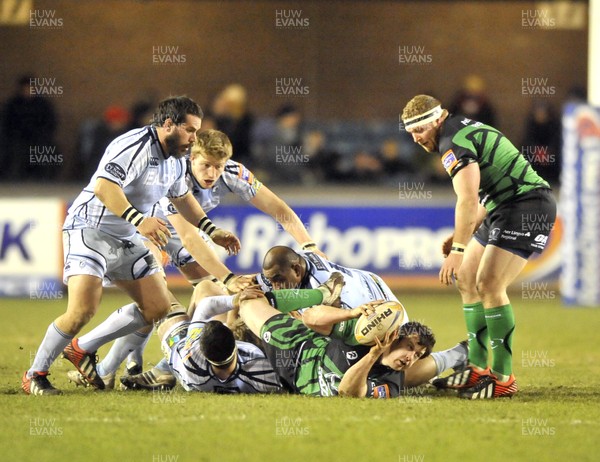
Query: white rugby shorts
96, 253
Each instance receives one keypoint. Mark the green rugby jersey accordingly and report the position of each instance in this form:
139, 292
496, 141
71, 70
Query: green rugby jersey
318, 363
324, 361
505, 172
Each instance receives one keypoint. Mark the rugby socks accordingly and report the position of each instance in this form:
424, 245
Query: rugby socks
286, 300
125, 320
137, 356
121, 348
478, 334
501, 325
53, 344
212, 306
451, 358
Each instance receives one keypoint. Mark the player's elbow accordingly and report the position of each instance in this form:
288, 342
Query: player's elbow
352, 392
312, 319
101, 189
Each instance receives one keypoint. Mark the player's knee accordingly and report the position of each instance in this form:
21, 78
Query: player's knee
207, 288
154, 312
466, 283
488, 286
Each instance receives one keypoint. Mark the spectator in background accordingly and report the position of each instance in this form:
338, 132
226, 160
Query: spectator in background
96, 134
29, 126
472, 101
278, 149
231, 115
367, 168
395, 162
141, 114
325, 165
541, 144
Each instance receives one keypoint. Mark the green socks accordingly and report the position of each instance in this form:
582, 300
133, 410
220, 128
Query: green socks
478, 334
501, 325
286, 300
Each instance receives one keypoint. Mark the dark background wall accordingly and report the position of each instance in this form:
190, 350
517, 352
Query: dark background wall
348, 55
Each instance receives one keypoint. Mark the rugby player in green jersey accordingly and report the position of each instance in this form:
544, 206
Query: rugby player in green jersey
332, 362
504, 213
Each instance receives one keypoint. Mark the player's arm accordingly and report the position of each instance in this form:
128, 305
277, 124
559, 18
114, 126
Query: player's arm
196, 246
113, 197
204, 255
466, 187
323, 319
354, 382
268, 202
467, 212
447, 244
191, 211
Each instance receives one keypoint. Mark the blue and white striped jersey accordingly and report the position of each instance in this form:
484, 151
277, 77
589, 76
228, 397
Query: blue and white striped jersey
236, 179
360, 286
253, 373
136, 162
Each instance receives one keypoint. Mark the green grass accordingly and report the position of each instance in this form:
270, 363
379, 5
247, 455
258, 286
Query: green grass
555, 417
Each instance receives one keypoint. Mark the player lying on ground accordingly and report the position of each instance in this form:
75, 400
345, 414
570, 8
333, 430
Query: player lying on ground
285, 268
211, 175
204, 356
324, 320
509, 211
102, 237
311, 363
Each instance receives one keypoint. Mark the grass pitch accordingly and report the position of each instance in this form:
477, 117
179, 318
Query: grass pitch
555, 416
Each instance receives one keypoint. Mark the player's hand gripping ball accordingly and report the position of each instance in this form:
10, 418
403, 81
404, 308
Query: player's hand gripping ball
381, 319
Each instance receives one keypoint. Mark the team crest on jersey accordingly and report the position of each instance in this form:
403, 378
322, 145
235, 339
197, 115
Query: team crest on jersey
171, 208
494, 233
351, 355
267, 337
115, 170
153, 162
449, 160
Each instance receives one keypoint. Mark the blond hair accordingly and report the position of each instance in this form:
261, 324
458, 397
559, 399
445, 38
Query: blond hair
212, 143
420, 104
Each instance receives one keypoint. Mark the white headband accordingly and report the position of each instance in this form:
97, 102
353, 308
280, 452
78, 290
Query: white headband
224, 362
423, 119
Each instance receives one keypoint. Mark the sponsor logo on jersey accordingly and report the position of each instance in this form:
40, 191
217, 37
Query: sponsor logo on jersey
381, 391
449, 160
153, 162
115, 170
246, 175
315, 260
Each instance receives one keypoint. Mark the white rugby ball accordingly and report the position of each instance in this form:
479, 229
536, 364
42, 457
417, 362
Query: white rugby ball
386, 317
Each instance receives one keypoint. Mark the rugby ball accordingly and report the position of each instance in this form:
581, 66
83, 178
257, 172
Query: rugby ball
386, 317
